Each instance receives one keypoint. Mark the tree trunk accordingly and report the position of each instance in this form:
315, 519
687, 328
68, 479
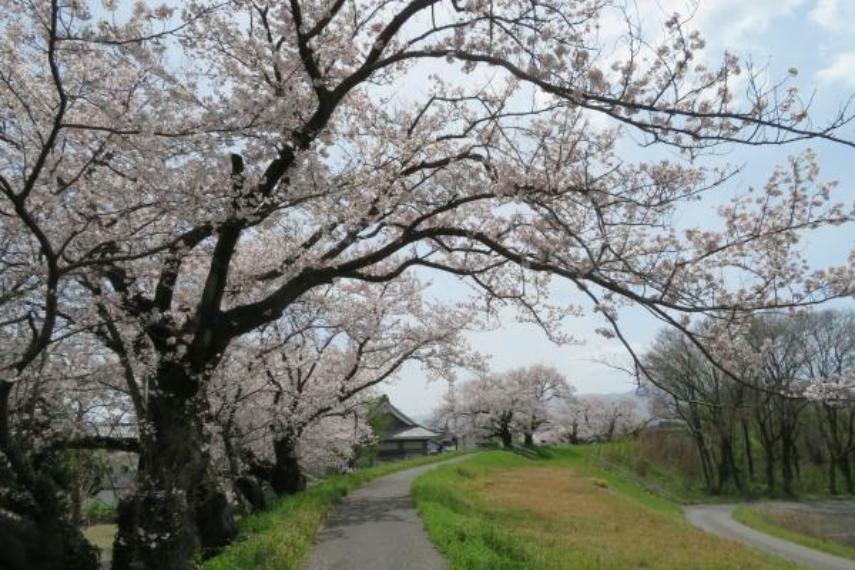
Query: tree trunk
730, 458
287, 477
832, 475
704, 456
177, 511
770, 470
724, 467
749, 455
507, 437
846, 469
42, 536
787, 465
529, 439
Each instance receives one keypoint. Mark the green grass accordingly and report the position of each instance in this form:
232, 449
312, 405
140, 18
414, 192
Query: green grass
757, 520
502, 511
279, 538
660, 477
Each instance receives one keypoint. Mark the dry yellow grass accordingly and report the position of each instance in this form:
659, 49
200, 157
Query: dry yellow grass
563, 518
101, 536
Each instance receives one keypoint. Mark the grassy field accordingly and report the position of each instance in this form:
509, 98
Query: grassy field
502, 511
789, 527
279, 538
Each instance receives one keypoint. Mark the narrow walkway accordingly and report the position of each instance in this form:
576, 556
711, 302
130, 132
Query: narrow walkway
718, 520
377, 528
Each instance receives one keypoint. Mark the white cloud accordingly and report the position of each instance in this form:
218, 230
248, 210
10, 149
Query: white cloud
834, 15
841, 70
729, 23
825, 12
740, 23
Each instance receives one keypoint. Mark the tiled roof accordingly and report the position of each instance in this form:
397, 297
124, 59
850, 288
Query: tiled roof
417, 432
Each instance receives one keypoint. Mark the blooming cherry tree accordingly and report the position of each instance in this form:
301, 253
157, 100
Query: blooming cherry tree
274, 392
204, 169
505, 405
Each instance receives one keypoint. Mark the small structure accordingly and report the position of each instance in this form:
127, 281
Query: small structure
400, 436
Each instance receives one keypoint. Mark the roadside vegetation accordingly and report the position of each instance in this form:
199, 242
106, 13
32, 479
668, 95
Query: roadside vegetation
783, 427
279, 538
800, 529
665, 462
507, 511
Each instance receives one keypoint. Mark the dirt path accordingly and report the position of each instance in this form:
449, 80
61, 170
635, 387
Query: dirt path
718, 520
377, 528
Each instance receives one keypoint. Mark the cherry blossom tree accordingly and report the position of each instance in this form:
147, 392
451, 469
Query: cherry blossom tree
542, 387
592, 418
322, 361
505, 405
203, 169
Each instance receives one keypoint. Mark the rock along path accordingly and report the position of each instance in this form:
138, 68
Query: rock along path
377, 528
718, 520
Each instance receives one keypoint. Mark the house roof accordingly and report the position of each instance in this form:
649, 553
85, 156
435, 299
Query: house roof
414, 430
401, 416
417, 432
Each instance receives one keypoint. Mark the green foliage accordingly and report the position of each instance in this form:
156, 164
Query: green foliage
99, 512
380, 423
279, 538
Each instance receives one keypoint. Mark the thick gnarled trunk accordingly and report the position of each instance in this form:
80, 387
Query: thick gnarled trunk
287, 477
178, 511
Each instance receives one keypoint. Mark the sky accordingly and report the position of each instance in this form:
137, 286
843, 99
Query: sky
817, 37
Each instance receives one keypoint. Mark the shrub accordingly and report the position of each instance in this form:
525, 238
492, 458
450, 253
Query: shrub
99, 512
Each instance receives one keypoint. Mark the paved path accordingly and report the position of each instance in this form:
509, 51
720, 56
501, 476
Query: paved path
377, 528
718, 520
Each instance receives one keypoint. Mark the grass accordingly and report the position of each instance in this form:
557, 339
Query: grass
667, 476
501, 511
279, 538
788, 527
101, 536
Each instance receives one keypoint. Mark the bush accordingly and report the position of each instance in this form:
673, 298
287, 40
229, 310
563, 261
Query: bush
99, 512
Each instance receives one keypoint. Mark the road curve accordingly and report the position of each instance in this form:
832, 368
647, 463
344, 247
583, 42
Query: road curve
718, 520
377, 528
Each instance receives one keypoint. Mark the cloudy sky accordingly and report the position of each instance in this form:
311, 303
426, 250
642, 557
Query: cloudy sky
817, 37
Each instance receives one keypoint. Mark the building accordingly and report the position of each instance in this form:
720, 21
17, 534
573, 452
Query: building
400, 436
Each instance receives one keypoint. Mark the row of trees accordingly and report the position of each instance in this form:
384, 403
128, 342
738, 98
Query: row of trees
297, 397
782, 409
181, 186
534, 403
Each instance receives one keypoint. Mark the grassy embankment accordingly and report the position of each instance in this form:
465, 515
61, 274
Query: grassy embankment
502, 511
667, 464
279, 538
792, 527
